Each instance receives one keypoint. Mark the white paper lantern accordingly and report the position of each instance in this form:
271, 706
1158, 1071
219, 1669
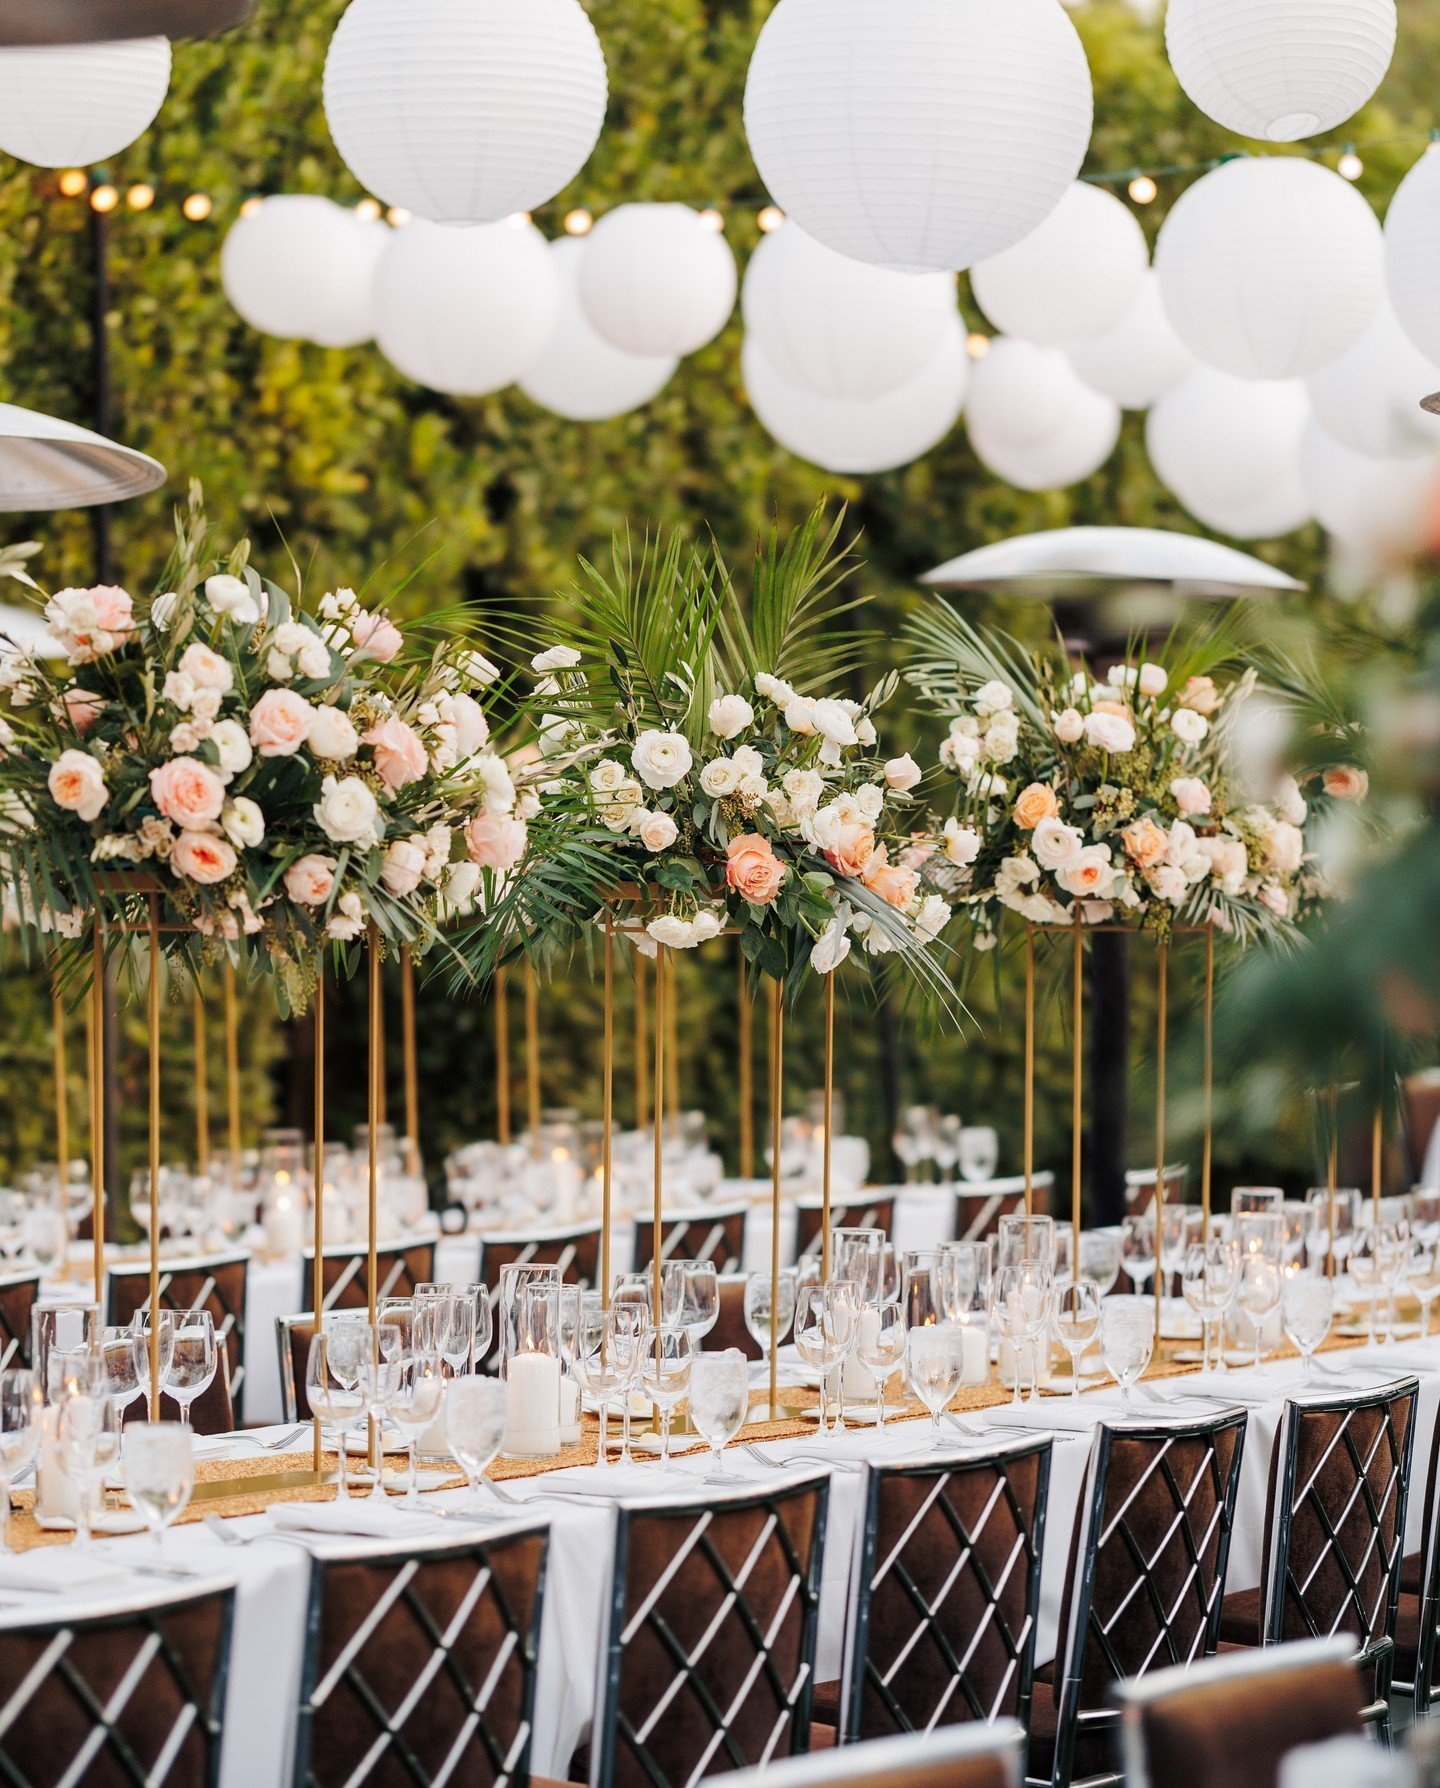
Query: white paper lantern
1368, 398
921, 133
1140, 358
464, 111
1229, 450
303, 268
68, 105
838, 327
861, 436
1412, 253
1270, 266
465, 310
656, 279
1033, 422
578, 373
1386, 507
1073, 277
1280, 69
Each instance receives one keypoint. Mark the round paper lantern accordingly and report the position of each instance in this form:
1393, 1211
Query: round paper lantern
1270, 266
656, 279
579, 374
1412, 254
464, 111
1073, 277
861, 436
1388, 507
838, 327
1367, 399
303, 267
1280, 69
73, 104
1022, 395
465, 310
1138, 360
1081, 444
922, 133
1229, 450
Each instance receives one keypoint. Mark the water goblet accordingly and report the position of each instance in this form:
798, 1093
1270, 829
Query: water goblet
1258, 1294
625, 1325
194, 1359
770, 1324
699, 1298
1127, 1340
332, 1372
719, 1403
1075, 1319
21, 1407
1099, 1260
157, 1338
934, 1365
600, 1378
1307, 1305
381, 1364
666, 1355
881, 1349
1320, 1242
1422, 1272
1208, 1281
159, 1466
1395, 1242
122, 1375
414, 1407
475, 1427
824, 1328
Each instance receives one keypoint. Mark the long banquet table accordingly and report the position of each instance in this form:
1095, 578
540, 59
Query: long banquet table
271, 1576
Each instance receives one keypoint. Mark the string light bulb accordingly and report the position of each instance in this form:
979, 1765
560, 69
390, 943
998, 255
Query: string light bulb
141, 196
369, 209
1142, 189
578, 222
251, 207
73, 182
397, 216
1349, 166
104, 198
977, 346
198, 207
712, 220
770, 217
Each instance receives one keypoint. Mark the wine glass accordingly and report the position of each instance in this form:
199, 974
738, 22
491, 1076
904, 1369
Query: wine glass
719, 1403
381, 1363
1099, 1259
1364, 1266
122, 1375
1258, 1294
1319, 1240
699, 1298
1422, 1270
21, 1406
824, 1327
1395, 1242
88, 1441
625, 1326
1179, 1226
414, 1407
881, 1349
1075, 1319
1127, 1340
600, 1378
1307, 1305
1208, 1281
1021, 1301
484, 1323
159, 1467
979, 1152
332, 1371
1137, 1250
475, 1426
194, 1359
666, 1355
161, 1336
934, 1365
763, 1322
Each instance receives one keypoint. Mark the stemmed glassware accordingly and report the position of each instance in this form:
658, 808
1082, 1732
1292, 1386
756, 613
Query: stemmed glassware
416, 1404
1209, 1281
1258, 1294
382, 1362
625, 1329
140, 1336
825, 1319
1075, 1319
159, 1467
699, 1309
475, 1426
760, 1319
1319, 1242
194, 1359
1307, 1305
881, 1351
719, 1403
1127, 1340
1137, 1250
934, 1365
1422, 1273
1022, 1307
332, 1372
1099, 1260
599, 1376
122, 1375
1180, 1226
666, 1355
20, 1411
88, 1440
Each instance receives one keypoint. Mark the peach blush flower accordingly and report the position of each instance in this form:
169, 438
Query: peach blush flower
77, 783
188, 792
496, 840
202, 857
83, 708
280, 722
752, 869
308, 880
472, 730
403, 867
377, 637
1036, 803
399, 755
1145, 843
1191, 795
207, 669
853, 850
894, 885
1200, 694
1346, 782
1091, 875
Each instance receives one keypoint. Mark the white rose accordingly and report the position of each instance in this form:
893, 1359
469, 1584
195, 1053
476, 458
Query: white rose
748, 761
865, 731
674, 932
1015, 873
720, 777
477, 670
461, 881
729, 714
799, 715
348, 919
962, 843
1055, 844
992, 698
291, 637
832, 722
1168, 882
1070, 726
706, 924
232, 597
1181, 842
332, 735
1188, 726
607, 776
233, 745
655, 830
1110, 732
830, 949
821, 829
403, 867
870, 802
774, 689
555, 659
1003, 739
179, 690
1289, 803
661, 759
1191, 795
314, 658
1284, 848
499, 785
1153, 679
242, 822
804, 789
753, 788
902, 772
277, 666
932, 916
347, 812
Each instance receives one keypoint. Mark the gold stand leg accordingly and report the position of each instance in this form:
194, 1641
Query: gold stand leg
532, 1051
202, 1087
97, 1106
502, 1057
747, 1073
672, 1038
1332, 1174
317, 1190
1208, 1084
826, 1138
656, 1288
1077, 1044
607, 1095
153, 1023
412, 1076
1377, 1147
373, 1121
1161, 1029
777, 1064
62, 1091
232, 1068
1030, 1072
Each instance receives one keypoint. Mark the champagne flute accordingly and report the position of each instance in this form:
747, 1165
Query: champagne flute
332, 1388
881, 1350
719, 1403
475, 1427
21, 1407
159, 1466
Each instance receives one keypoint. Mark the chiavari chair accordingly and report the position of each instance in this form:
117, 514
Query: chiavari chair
980, 1206
18, 1292
575, 1250
1417, 1620
869, 1210
217, 1283
950, 1757
716, 1234
344, 1272
731, 1328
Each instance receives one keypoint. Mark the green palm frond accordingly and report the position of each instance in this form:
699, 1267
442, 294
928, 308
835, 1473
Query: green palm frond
953, 654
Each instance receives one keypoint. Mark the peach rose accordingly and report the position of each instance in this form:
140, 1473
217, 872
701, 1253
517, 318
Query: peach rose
202, 857
1346, 782
1036, 803
188, 792
84, 708
496, 840
894, 885
752, 869
308, 880
1145, 843
377, 637
77, 783
399, 755
1200, 694
279, 723
853, 850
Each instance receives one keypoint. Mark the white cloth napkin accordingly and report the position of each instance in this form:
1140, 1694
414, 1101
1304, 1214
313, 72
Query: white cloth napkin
357, 1520
60, 1571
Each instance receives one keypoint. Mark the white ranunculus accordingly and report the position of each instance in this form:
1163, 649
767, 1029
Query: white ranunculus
1167, 880
1015, 873
803, 789
1188, 726
992, 698
800, 715
1288, 802
178, 689
729, 715
242, 822
332, 735
233, 746
672, 931
314, 658
1055, 844
748, 761
655, 830
278, 667
661, 759
1070, 726
1110, 732
720, 777
499, 785
555, 659
607, 776
1153, 679
833, 722
233, 598
347, 811
902, 772
831, 948
962, 843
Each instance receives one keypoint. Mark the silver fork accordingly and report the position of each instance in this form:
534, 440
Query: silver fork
228, 1536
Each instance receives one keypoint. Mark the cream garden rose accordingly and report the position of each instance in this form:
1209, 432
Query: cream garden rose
331, 734
729, 715
657, 831
347, 811
902, 773
1055, 844
203, 857
77, 783
309, 879
280, 723
661, 759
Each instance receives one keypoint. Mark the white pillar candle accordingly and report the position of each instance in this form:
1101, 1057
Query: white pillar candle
532, 1406
974, 1353
858, 1385
434, 1443
569, 1412
284, 1229
56, 1496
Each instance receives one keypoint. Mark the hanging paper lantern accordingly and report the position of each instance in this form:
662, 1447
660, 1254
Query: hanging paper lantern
1386, 507
465, 311
1033, 422
1280, 69
1368, 398
861, 436
1140, 358
1229, 450
922, 133
1412, 253
1073, 277
70, 105
578, 373
1081, 444
656, 279
464, 111
303, 267
1270, 266
838, 327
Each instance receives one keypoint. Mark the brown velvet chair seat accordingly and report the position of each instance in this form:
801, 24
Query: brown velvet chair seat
715, 1234
1417, 1631
974, 1755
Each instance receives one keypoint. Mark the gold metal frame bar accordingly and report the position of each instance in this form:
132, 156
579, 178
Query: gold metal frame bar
502, 1057
532, 1050
1207, 1089
777, 1067
317, 1186
607, 1136
411, 1070
97, 1105
1077, 1070
747, 1071
232, 1067
152, 902
656, 1263
202, 1084
829, 1127
1162, 1020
